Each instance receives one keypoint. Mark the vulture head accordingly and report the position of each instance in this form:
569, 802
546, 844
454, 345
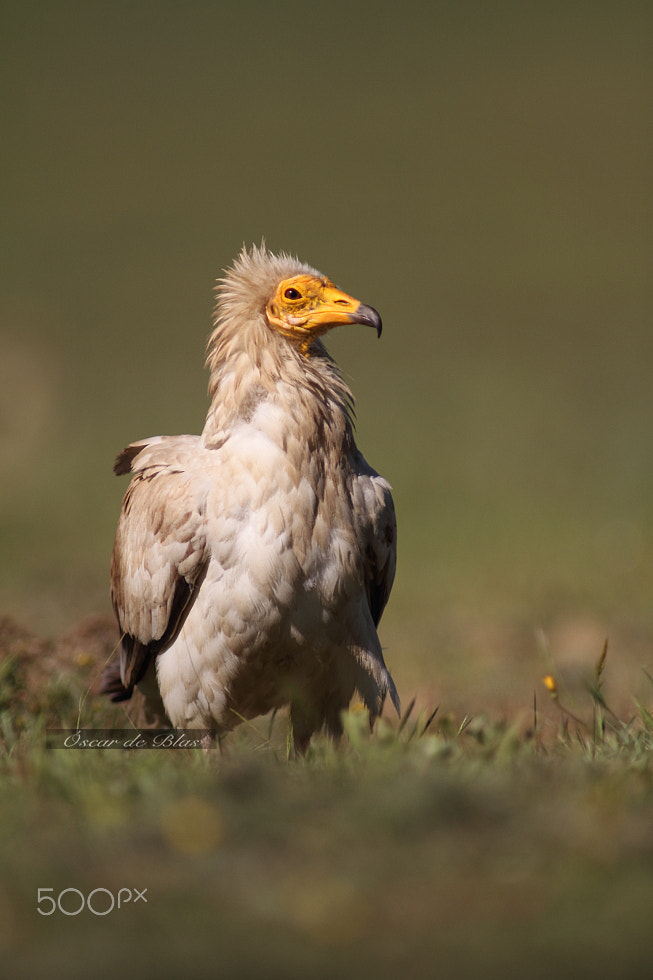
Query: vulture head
307, 305
285, 296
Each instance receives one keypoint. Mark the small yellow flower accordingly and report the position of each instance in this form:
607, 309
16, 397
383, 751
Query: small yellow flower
550, 684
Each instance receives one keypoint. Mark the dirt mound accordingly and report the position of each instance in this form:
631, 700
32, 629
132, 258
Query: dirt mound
47, 677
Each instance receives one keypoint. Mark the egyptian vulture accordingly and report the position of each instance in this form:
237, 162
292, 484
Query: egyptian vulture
252, 563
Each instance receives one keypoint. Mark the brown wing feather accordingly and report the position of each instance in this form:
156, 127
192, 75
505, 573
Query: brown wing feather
159, 555
375, 519
375, 508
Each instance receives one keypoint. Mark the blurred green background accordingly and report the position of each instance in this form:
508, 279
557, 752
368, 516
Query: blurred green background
479, 172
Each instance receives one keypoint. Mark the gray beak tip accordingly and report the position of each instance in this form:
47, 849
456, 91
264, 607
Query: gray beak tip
369, 316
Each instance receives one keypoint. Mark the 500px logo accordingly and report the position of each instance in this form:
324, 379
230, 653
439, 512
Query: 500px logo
75, 905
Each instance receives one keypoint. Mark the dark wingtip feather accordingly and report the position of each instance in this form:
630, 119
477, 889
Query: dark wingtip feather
125, 458
112, 685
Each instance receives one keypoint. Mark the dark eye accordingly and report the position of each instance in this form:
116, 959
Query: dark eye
292, 293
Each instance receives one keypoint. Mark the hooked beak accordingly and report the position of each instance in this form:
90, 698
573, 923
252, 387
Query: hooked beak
369, 316
337, 307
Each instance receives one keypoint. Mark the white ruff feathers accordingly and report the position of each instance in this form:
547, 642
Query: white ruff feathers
252, 563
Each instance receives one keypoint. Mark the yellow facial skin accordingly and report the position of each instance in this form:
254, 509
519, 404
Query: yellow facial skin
304, 307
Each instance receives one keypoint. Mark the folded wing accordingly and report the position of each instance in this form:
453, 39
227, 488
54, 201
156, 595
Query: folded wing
375, 516
160, 552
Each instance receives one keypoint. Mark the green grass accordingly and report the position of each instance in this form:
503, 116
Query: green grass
433, 844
